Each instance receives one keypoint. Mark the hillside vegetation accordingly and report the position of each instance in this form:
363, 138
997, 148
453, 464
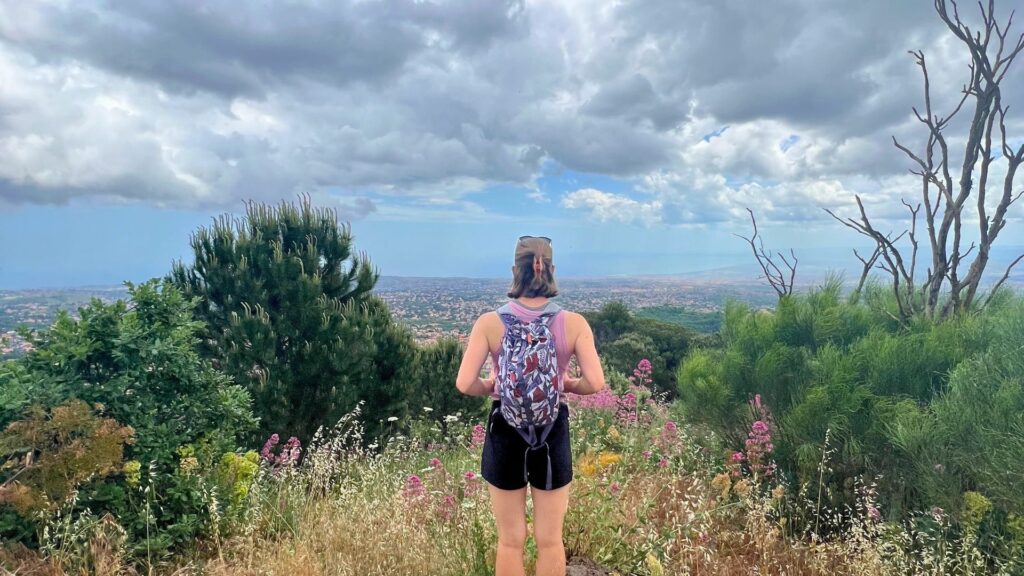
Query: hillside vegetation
170, 432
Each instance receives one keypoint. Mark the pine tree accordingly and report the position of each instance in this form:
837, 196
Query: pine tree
291, 315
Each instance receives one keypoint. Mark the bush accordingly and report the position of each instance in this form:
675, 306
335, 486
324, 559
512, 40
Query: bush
137, 363
826, 365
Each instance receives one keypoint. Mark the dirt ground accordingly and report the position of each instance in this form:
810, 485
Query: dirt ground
584, 567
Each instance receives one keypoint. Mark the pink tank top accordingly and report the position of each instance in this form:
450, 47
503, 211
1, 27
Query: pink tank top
557, 328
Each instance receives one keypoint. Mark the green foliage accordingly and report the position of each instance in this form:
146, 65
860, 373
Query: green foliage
235, 475
140, 364
290, 315
49, 453
432, 383
15, 391
824, 364
137, 363
972, 436
624, 338
703, 322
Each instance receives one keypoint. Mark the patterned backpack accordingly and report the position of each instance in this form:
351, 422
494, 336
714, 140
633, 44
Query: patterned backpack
527, 377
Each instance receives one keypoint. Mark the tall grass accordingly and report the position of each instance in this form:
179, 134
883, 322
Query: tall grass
649, 497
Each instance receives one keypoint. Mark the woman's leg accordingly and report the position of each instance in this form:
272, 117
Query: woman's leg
510, 516
549, 508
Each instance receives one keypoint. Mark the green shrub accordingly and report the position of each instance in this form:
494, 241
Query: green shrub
824, 364
137, 363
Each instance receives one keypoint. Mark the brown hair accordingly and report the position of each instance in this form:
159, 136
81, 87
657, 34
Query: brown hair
533, 276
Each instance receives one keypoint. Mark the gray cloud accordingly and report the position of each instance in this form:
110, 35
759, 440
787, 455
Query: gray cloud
200, 104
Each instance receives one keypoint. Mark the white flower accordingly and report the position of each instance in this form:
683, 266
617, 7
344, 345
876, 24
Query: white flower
393, 419
428, 409
450, 418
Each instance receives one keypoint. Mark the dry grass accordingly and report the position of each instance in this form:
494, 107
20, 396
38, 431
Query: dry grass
346, 512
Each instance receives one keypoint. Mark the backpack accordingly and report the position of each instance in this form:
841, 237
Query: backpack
527, 378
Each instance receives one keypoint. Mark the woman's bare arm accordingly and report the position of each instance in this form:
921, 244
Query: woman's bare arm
591, 378
468, 381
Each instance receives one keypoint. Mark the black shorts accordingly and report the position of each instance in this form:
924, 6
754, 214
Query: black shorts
508, 463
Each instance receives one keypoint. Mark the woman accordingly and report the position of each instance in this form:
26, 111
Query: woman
509, 463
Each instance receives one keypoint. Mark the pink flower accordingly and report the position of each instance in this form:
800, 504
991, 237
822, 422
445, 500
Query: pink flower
477, 439
414, 490
447, 507
268, 448
472, 484
738, 457
288, 456
663, 463
670, 426
647, 454
615, 488
436, 464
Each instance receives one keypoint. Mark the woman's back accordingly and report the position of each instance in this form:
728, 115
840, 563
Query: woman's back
564, 344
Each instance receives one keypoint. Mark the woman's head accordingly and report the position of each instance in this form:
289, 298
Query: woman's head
533, 274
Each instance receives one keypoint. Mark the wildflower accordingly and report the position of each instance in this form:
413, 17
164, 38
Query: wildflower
646, 454
654, 565
615, 488
472, 484
613, 433
722, 484
446, 508
132, 474
436, 464
290, 454
414, 489
188, 465
428, 409
758, 445
779, 492
588, 466
874, 514
451, 418
663, 463
392, 418
478, 436
671, 426
606, 459
742, 488
268, 447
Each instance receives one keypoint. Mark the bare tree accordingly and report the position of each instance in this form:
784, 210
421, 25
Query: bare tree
950, 285
778, 280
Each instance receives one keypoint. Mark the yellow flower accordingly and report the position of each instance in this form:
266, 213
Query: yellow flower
722, 484
587, 465
654, 565
132, 474
742, 488
779, 492
613, 434
608, 458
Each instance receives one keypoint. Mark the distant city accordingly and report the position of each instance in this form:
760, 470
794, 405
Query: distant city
437, 307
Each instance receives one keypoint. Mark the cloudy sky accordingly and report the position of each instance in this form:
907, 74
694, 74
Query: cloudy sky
634, 132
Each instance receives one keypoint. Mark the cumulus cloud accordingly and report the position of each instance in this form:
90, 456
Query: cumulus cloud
704, 107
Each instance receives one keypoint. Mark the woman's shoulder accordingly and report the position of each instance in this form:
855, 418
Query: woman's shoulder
574, 320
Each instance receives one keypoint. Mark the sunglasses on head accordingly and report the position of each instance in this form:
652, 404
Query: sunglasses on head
544, 238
